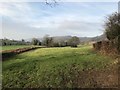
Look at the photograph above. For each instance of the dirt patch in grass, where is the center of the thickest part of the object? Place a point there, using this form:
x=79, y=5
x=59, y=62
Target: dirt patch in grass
x=98, y=78
x=85, y=78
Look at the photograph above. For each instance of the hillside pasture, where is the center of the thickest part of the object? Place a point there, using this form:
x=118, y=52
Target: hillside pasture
x=60, y=68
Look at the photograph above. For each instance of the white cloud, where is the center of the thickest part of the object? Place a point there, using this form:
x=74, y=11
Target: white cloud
x=25, y=21
x=16, y=11
x=18, y=30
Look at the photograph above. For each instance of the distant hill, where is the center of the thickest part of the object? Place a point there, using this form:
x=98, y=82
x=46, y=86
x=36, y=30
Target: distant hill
x=85, y=39
x=61, y=38
x=82, y=39
x=99, y=38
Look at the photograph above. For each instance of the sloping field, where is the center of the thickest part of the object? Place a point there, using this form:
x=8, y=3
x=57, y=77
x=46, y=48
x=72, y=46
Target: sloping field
x=60, y=67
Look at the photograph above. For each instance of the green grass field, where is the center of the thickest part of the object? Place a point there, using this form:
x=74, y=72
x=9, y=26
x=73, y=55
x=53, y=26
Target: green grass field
x=55, y=67
x=12, y=47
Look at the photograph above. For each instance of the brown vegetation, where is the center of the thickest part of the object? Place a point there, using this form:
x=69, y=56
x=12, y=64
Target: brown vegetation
x=112, y=31
x=107, y=47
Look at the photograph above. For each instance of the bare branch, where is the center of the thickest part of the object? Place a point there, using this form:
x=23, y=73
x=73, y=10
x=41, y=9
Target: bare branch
x=51, y=3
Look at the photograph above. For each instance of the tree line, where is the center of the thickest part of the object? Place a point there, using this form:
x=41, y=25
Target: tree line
x=46, y=41
x=6, y=42
x=50, y=42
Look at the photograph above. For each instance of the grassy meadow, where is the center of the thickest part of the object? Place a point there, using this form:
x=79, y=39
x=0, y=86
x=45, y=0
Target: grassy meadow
x=59, y=67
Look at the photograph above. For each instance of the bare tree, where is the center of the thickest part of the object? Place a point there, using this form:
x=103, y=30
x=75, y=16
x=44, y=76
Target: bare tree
x=47, y=41
x=35, y=41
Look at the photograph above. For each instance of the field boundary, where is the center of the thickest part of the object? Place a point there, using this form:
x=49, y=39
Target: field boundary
x=9, y=53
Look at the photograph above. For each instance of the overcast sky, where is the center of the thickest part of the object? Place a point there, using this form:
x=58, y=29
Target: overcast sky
x=36, y=19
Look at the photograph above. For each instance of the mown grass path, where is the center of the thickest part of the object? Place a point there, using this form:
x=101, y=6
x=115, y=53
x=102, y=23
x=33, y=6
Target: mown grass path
x=59, y=67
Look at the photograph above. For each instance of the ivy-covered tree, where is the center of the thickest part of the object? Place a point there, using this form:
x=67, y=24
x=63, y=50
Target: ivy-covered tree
x=112, y=26
x=112, y=29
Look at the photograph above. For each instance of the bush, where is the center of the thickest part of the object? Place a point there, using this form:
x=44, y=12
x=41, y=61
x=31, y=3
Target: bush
x=97, y=45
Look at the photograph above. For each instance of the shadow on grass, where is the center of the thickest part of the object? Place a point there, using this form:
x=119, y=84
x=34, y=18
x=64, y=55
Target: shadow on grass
x=11, y=53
